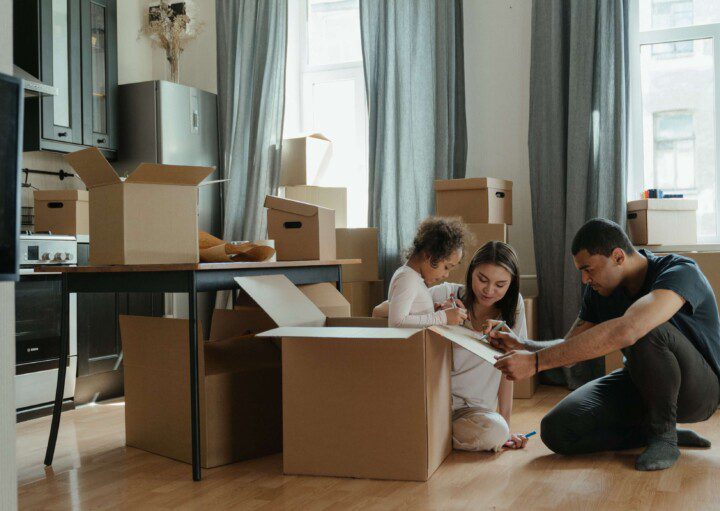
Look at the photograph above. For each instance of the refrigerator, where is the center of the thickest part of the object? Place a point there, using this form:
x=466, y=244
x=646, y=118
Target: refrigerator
x=165, y=122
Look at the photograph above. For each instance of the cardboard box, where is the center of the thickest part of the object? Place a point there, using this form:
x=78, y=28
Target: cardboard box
x=62, y=212
x=363, y=296
x=330, y=198
x=357, y=401
x=478, y=200
x=302, y=232
x=304, y=159
x=525, y=389
x=662, y=221
x=151, y=217
x=240, y=390
x=328, y=299
x=482, y=233
x=358, y=244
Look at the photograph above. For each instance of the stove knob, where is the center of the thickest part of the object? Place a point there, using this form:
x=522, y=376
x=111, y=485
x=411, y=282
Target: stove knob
x=60, y=256
x=69, y=256
x=45, y=256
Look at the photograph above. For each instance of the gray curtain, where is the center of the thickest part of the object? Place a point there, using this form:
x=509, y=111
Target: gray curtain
x=414, y=75
x=251, y=49
x=577, y=144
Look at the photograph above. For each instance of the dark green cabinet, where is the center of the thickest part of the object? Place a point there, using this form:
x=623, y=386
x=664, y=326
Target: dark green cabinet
x=72, y=45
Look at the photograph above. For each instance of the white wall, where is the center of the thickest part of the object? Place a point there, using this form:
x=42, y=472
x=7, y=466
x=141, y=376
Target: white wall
x=497, y=85
x=8, y=471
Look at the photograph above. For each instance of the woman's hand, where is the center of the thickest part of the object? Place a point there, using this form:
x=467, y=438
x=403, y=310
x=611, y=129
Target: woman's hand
x=516, y=442
x=448, y=304
x=503, y=339
x=455, y=316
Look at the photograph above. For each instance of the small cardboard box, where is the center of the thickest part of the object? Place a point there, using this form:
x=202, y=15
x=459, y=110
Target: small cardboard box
x=361, y=244
x=525, y=389
x=302, y=232
x=151, y=217
x=662, y=221
x=62, y=212
x=357, y=401
x=330, y=198
x=363, y=296
x=482, y=233
x=240, y=389
x=304, y=159
x=328, y=299
x=477, y=200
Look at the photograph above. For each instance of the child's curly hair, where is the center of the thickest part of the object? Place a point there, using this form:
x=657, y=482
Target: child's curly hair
x=438, y=238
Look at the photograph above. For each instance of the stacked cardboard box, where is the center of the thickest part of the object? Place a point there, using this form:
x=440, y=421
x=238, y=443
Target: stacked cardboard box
x=304, y=162
x=662, y=221
x=525, y=389
x=361, y=284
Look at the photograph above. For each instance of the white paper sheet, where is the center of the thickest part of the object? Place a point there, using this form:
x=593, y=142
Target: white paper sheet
x=468, y=339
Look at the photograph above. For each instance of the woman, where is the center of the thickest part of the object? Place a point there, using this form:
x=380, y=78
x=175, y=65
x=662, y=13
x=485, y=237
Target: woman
x=491, y=292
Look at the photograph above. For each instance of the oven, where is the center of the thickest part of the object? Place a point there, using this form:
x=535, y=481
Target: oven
x=38, y=318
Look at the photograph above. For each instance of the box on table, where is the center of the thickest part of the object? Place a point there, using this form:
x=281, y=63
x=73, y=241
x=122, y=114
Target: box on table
x=360, y=243
x=482, y=233
x=302, y=232
x=477, y=200
x=240, y=389
x=327, y=197
x=304, y=159
x=328, y=299
x=62, y=211
x=525, y=389
x=358, y=401
x=151, y=217
x=363, y=296
x=662, y=221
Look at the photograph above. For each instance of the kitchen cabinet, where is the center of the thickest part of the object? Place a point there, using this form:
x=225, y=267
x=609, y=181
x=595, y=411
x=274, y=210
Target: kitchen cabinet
x=72, y=45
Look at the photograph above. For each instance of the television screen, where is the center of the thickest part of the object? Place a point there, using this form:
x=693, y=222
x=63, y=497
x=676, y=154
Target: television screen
x=11, y=117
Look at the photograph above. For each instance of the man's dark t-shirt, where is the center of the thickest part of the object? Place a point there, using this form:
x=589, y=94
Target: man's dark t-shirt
x=697, y=318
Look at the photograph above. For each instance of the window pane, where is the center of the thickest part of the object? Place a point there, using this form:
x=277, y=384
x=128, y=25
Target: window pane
x=333, y=32
x=678, y=103
x=660, y=14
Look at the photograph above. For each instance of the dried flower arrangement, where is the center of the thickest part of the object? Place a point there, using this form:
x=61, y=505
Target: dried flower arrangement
x=170, y=26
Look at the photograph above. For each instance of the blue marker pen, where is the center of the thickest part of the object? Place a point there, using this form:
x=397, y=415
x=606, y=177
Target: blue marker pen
x=531, y=434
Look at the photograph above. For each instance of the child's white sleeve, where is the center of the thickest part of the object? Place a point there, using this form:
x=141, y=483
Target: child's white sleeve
x=403, y=295
x=442, y=292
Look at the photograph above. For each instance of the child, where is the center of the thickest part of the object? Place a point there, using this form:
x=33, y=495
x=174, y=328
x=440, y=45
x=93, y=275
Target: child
x=437, y=248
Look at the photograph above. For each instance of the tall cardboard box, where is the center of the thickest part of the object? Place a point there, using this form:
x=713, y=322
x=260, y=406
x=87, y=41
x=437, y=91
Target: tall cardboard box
x=62, y=211
x=662, y=221
x=327, y=197
x=240, y=390
x=304, y=159
x=477, y=200
x=302, y=232
x=328, y=299
x=482, y=233
x=151, y=217
x=363, y=296
x=525, y=389
x=359, y=243
x=358, y=401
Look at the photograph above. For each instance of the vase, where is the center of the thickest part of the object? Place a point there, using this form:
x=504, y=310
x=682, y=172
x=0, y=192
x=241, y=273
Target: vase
x=174, y=69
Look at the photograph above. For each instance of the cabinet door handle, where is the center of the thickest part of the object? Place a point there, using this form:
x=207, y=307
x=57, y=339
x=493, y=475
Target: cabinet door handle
x=101, y=140
x=62, y=134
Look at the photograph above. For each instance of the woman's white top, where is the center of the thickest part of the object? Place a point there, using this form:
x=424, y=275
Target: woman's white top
x=411, y=304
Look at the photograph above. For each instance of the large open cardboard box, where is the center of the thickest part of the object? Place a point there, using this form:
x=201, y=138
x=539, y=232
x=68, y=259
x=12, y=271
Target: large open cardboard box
x=357, y=401
x=662, y=221
x=477, y=200
x=151, y=217
x=240, y=388
x=302, y=232
x=62, y=212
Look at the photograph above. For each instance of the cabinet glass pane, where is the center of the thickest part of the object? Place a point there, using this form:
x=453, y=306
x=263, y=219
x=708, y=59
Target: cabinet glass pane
x=60, y=62
x=98, y=44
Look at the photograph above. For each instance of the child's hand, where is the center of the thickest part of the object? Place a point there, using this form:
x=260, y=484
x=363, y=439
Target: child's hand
x=448, y=304
x=455, y=316
x=516, y=442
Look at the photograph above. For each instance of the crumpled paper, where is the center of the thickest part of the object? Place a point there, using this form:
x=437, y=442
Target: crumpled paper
x=215, y=250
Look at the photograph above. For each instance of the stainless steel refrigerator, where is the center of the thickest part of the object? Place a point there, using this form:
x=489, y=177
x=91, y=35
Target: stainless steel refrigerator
x=164, y=122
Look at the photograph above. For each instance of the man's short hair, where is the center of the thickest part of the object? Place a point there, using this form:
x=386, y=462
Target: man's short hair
x=601, y=236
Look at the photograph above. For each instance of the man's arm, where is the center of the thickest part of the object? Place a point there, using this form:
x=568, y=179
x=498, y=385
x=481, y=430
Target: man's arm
x=577, y=328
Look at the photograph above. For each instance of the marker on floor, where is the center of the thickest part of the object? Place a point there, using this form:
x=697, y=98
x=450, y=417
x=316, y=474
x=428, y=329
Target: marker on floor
x=531, y=434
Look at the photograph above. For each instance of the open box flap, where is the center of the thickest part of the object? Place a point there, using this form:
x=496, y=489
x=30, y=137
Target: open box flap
x=160, y=174
x=340, y=332
x=292, y=206
x=463, y=337
x=92, y=167
x=282, y=301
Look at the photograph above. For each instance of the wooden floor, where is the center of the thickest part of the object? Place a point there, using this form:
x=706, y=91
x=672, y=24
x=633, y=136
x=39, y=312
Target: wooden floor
x=94, y=470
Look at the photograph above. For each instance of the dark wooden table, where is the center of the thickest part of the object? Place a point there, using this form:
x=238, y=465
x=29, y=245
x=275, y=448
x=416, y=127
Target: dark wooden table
x=173, y=278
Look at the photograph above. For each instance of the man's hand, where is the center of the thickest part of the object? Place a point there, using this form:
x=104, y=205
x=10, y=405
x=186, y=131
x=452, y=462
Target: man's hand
x=516, y=365
x=503, y=339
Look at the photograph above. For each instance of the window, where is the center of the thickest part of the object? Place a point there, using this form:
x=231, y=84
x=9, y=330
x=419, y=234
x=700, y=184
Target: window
x=673, y=95
x=325, y=92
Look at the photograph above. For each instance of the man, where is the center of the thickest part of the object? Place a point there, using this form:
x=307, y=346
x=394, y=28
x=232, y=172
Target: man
x=662, y=313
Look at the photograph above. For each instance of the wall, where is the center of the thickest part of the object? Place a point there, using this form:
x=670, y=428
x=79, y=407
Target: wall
x=8, y=472
x=497, y=84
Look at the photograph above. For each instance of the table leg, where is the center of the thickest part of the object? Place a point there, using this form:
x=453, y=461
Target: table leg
x=194, y=378
x=62, y=367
